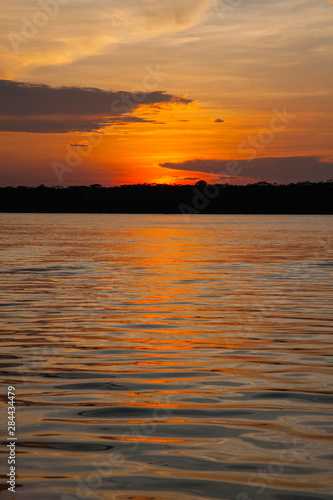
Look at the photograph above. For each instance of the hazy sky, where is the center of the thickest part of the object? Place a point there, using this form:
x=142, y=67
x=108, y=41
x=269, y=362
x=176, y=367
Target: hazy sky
x=113, y=92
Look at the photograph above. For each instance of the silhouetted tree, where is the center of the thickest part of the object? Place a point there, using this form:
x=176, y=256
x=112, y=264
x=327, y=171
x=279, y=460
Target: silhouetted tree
x=262, y=197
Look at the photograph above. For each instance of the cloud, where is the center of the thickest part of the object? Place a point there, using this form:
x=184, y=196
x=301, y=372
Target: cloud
x=80, y=145
x=37, y=34
x=48, y=126
x=173, y=15
x=37, y=108
x=218, y=120
x=26, y=99
x=136, y=119
x=285, y=169
x=132, y=119
x=64, y=125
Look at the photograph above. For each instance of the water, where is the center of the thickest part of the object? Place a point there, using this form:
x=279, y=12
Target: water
x=155, y=358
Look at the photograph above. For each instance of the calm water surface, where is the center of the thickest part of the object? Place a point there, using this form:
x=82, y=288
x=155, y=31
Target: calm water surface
x=158, y=359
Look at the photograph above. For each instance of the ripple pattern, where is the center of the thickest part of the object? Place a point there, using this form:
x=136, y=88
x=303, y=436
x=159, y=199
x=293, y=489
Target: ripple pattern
x=158, y=359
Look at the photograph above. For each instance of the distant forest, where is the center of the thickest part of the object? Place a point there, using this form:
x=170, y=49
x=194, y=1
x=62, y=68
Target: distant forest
x=202, y=198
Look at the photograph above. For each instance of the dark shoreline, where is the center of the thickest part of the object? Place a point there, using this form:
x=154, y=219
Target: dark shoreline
x=256, y=199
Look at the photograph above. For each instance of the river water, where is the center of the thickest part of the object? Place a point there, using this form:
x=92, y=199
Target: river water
x=158, y=358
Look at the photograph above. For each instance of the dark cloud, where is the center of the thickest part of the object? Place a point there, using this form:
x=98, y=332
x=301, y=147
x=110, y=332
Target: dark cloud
x=45, y=126
x=42, y=109
x=218, y=120
x=287, y=169
x=130, y=119
x=80, y=145
x=25, y=99
x=136, y=119
x=63, y=126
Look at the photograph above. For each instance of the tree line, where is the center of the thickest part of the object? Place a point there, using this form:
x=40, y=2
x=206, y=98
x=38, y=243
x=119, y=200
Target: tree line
x=259, y=198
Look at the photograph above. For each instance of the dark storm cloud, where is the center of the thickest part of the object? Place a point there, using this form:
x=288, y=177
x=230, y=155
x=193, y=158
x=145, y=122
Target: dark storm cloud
x=288, y=169
x=23, y=107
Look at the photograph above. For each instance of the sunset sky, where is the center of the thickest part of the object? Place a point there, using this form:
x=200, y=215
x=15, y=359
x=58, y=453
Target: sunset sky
x=133, y=91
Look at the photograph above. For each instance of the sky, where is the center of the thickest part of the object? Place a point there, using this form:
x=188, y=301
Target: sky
x=165, y=91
